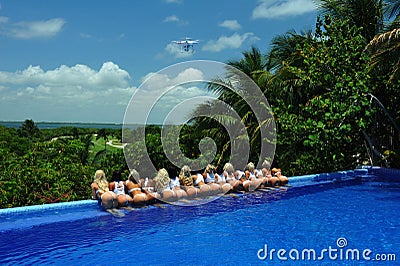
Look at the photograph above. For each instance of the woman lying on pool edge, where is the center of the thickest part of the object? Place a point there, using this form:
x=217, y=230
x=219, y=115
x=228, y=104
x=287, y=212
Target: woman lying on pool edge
x=137, y=191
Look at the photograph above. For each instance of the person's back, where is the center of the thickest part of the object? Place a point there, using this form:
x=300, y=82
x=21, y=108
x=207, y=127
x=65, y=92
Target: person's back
x=118, y=186
x=185, y=177
x=162, y=186
x=161, y=180
x=101, y=192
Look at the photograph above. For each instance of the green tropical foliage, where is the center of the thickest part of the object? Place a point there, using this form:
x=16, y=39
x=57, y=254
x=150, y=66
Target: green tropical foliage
x=37, y=171
x=334, y=80
x=333, y=91
x=318, y=98
x=367, y=15
x=319, y=85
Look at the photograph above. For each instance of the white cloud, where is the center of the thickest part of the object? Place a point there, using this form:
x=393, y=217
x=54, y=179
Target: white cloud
x=176, y=51
x=33, y=29
x=230, y=24
x=3, y=19
x=81, y=93
x=85, y=35
x=76, y=93
x=161, y=92
x=172, y=18
x=228, y=42
x=161, y=81
x=282, y=8
x=175, y=19
x=109, y=75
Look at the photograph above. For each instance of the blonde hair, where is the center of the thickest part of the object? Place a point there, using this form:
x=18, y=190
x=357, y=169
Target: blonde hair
x=210, y=168
x=162, y=180
x=185, y=169
x=163, y=173
x=266, y=164
x=250, y=166
x=185, y=177
x=228, y=167
x=100, y=179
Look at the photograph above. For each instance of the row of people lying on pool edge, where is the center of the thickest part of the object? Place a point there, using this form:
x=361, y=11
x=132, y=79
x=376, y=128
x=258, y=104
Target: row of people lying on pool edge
x=139, y=191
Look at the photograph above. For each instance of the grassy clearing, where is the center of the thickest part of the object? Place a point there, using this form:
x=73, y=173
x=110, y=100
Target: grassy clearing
x=99, y=146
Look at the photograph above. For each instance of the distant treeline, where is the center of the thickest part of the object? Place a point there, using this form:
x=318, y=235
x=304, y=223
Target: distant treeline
x=53, y=125
x=55, y=165
x=334, y=94
x=52, y=165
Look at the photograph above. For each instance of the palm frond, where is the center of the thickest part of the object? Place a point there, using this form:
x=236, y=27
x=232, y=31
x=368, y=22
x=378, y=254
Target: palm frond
x=386, y=52
x=384, y=37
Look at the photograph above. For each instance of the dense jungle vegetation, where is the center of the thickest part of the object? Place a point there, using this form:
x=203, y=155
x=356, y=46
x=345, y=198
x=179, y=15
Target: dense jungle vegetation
x=334, y=93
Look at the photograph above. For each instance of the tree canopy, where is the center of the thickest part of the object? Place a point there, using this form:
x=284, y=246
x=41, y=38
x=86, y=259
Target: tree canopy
x=333, y=92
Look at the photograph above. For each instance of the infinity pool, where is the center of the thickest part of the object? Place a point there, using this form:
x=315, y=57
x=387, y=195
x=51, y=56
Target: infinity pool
x=350, y=217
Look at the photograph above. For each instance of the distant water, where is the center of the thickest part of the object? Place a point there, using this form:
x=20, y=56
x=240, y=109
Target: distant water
x=51, y=125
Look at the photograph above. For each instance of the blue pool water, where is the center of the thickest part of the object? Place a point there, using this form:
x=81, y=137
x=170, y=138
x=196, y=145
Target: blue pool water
x=233, y=230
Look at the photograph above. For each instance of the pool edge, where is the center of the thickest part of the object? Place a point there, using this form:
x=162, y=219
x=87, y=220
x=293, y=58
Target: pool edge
x=294, y=181
x=49, y=206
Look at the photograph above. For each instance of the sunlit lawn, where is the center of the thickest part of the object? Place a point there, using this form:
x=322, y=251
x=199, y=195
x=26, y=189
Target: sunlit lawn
x=99, y=146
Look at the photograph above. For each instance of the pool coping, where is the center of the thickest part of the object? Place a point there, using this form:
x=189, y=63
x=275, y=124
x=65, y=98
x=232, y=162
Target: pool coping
x=294, y=181
x=49, y=206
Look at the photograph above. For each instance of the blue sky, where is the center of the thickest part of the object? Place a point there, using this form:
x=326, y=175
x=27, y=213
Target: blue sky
x=81, y=61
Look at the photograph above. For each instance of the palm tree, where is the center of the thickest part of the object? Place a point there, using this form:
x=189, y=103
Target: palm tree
x=282, y=84
x=102, y=133
x=284, y=49
x=213, y=118
x=386, y=52
x=212, y=121
x=87, y=142
x=385, y=47
x=385, y=60
x=251, y=64
x=379, y=23
x=393, y=12
x=365, y=14
x=28, y=129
